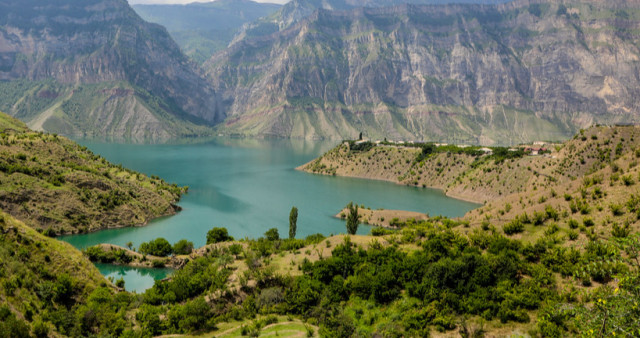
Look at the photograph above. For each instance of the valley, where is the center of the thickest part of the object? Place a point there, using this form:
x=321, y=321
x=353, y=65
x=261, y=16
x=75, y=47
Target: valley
x=322, y=168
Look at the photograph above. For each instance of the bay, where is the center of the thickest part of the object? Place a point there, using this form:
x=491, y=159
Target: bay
x=249, y=186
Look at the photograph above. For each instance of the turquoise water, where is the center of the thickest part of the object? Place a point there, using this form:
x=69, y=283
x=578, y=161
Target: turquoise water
x=249, y=186
x=135, y=279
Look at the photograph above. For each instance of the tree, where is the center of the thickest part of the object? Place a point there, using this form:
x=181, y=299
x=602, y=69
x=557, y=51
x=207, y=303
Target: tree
x=129, y=245
x=360, y=137
x=183, y=247
x=157, y=247
x=272, y=234
x=217, y=235
x=353, y=220
x=293, y=222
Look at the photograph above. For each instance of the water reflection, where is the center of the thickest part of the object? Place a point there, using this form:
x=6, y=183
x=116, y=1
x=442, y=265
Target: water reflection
x=135, y=279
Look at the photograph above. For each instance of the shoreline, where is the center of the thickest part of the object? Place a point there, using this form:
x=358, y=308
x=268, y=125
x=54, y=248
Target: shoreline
x=176, y=209
x=446, y=193
x=384, y=218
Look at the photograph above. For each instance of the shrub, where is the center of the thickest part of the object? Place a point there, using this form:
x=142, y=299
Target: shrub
x=513, y=227
x=573, y=235
x=616, y=209
x=183, y=247
x=272, y=234
x=588, y=222
x=157, y=247
x=573, y=224
x=620, y=231
x=217, y=235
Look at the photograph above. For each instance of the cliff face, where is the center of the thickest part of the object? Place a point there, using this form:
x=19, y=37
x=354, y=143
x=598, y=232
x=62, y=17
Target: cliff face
x=101, y=46
x=459, y=73
x=203, y=28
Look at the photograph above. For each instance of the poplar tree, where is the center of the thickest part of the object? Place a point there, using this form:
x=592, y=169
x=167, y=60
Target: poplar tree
x=352, y=219
x=293, y=222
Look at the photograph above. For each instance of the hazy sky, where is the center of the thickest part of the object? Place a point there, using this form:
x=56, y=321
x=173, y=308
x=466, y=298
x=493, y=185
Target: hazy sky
x=133, y=2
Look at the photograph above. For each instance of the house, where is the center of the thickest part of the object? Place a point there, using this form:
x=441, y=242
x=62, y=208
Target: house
x=486, y=151
x=534, y=150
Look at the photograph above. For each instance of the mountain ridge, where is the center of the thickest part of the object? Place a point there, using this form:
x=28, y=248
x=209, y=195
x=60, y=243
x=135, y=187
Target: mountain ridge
x=135, y=79
x=482, y=74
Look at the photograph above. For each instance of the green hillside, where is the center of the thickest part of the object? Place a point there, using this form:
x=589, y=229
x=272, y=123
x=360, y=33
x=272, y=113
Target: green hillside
x=55, y=185
x=41, y=279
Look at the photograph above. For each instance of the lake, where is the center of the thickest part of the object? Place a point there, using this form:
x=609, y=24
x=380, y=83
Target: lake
x=249, y=186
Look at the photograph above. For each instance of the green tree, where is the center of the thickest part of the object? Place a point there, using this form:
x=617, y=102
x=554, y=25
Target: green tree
x=183, y=247
x=157, y=247
x=217, y=235
x=353, y=220
x=293, y=222
x=272, y=234
x=129, y=245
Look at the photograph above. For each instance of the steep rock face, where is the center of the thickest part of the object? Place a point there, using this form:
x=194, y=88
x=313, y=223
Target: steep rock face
x=459, y=73
x=99, y=43
x=203, y=28
x=296, y=10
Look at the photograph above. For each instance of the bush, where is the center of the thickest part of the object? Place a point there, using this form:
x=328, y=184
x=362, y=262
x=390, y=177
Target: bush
x=157, y=247
x=616, y=209
x=513, y=227
x=217, y=235
x=272, y=234
x=620, y=231
x=379, y=231
x=573, y=235
x=588, y=222
x=183, y=247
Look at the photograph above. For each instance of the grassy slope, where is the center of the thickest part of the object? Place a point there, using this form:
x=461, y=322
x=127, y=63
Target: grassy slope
x=527, y=184
x=30, y=268
x=48, y=181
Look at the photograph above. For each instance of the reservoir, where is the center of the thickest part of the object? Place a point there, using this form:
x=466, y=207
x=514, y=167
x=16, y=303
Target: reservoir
x=249, y=186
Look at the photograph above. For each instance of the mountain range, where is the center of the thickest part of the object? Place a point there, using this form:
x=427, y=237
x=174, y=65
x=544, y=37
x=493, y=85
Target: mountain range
x=487, y=74
x=95, y=68
x=482, y=72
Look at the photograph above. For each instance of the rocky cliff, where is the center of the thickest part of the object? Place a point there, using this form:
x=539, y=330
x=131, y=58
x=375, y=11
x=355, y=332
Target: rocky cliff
x=203, y=28
x=95, y=67
x=488, y=74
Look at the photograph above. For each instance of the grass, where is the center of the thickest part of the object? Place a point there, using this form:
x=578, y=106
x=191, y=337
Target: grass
x=285, y=327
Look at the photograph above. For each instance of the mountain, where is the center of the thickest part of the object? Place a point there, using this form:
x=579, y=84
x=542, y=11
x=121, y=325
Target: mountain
x=486, y=74
x=96, y=68
x=296, y=10
x=55, y=185
x=203, y=28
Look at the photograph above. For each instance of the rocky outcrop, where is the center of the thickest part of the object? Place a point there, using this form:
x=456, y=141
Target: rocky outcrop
x=102, y=46
x=488, y=74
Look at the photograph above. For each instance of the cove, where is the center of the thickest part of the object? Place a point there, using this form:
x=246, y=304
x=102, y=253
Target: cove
x=135, y=279
x=249, y=186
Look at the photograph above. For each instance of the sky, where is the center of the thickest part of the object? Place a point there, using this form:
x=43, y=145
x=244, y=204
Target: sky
x=134, y=2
